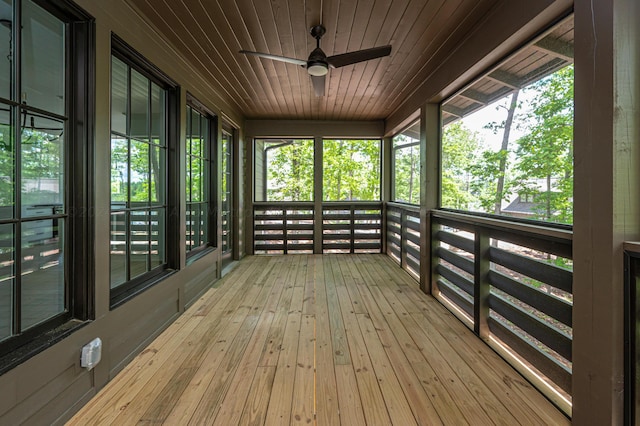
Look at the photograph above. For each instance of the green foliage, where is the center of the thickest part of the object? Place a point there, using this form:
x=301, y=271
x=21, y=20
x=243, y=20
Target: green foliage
x=545, y=153
x=460, y=147
x=406, y=163
x=351, y=170
x=290, y=171
x=486, y=173
x=540, y=166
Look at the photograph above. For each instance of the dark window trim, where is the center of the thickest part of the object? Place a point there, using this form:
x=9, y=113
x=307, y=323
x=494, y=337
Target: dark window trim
x=121, y=294
x=78, y=192
x=212, y=229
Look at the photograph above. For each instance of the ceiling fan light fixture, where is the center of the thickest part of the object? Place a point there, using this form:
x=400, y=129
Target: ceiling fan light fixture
x=317, y=69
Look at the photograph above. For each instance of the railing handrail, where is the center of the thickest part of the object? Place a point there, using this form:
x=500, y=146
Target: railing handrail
x=403, y=206
x=502, y=224
x=632, y=247
x=282, y=204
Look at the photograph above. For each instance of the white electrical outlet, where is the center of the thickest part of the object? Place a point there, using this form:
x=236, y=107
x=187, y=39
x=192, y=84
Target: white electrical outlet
x=91, y=354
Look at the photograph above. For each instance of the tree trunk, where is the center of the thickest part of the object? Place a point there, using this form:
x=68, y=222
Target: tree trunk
x=503, y=149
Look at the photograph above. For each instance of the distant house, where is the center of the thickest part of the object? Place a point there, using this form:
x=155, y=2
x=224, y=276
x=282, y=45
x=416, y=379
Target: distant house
x=523, y=207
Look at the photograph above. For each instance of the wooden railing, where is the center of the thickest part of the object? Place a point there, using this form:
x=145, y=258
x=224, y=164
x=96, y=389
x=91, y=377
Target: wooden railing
x=351, y=227
x=403, y=236
x=346, y=227
x=511, y=282
x=283, y=228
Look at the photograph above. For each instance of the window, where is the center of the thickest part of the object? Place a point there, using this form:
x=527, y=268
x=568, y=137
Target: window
x=406, y=165
x=143, y=130
x=284, y=170
x=45, y=169
x=226, y=189
x=199, y=140
x=351, y=170
x=507, y=139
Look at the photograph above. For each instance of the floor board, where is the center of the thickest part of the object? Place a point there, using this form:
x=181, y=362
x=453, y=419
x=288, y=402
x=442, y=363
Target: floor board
x=318, y=339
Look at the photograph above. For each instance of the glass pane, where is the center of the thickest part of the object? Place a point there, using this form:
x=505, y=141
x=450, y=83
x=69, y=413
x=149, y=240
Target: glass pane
x=189, y=133
x=7, y=278
x=205, y=139
x=194, y=223
x=7, y=172
x=139, y=170
x=42, y=166
x=189, y=225
x=139, y=106
x=43, y=289
x=139, y=242
x=158, y=230
x=196, y=179
x=204, y=223
x=406, y=174
x=351, y=170
x=6, y=48
x=158, y=174
x=158, y=127
x=195, y=133
x=119, y=84
x=43, y=59
x=284, y=170
x=119, y=172
x=118, y=248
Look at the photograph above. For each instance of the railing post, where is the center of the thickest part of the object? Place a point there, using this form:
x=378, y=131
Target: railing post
x=403, y=239
x=317, y=195
x=352, y=228
x=481, y=291
x=284, y=229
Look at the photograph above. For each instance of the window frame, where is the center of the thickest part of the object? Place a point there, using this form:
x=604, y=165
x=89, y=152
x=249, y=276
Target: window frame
x=135, y=61
x=78, y=169
x=210, y=176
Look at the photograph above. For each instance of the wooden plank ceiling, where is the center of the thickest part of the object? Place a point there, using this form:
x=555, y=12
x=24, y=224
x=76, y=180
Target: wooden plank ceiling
x=211, y=32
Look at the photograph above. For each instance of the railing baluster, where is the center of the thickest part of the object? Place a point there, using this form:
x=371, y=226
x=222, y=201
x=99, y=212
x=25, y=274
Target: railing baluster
x=403, y=239
x=482, y=289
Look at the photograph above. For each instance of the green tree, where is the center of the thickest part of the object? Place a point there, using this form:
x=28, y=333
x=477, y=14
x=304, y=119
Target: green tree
x=351, y=170
x=406, y=170
x=460, y=147
x=290, y=171
x=545, y=154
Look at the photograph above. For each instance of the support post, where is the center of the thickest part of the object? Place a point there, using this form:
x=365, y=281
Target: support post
x=481, y=287
x=429, y=189
x=317, y=195
x=606, y=199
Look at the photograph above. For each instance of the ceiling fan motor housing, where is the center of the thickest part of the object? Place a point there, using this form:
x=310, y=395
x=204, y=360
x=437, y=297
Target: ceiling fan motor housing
x=317, y=63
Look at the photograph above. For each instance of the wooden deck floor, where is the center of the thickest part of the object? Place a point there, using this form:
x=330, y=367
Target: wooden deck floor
x=326, y=340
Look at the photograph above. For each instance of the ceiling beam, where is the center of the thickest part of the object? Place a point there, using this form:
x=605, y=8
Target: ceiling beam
x=475, y=96
x=506, y=78
x=556, y=47
x=453, y=110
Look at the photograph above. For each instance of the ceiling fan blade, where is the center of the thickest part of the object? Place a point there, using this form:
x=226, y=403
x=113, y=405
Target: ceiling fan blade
x=318, y=84
x=275, y=57
x=337, y=61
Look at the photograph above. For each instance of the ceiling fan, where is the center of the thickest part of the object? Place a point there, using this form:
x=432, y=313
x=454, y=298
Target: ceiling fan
x=318, y=63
